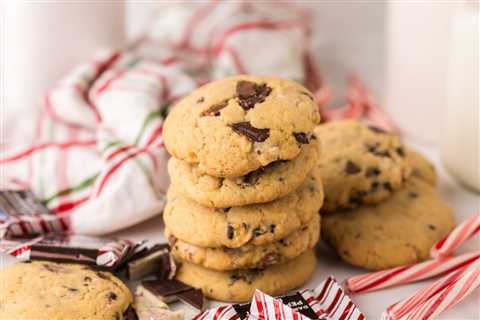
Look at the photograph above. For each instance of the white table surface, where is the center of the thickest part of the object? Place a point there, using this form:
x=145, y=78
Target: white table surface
x=372, y=304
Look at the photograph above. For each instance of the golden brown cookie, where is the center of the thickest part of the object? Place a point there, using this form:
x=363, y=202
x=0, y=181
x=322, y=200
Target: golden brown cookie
x=236, y=125
x=401, y=230
x=240, y=285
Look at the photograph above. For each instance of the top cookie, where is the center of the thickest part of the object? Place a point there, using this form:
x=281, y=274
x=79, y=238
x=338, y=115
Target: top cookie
x=239, y=124
x=359, y=164
x=48, y=290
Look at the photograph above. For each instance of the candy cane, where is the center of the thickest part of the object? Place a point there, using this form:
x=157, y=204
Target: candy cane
x=399, y=309
x=410, y=273
x=458, y=236
x=446, y=297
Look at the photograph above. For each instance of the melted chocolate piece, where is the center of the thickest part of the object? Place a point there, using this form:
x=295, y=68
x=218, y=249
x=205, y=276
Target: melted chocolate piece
x=111, y=296
x=401, y=152
x=250, y=93
x=230, y=232
x=301, y=137
x=372, y=172
x=214, y=110
x=352, y=168
x=252, y=133
x=192, y=297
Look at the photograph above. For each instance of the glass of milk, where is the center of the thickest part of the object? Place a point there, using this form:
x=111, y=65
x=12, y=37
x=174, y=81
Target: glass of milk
x=460, y=134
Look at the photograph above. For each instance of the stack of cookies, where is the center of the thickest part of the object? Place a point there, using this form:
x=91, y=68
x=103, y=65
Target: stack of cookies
x=381, y=208
x=242, y=209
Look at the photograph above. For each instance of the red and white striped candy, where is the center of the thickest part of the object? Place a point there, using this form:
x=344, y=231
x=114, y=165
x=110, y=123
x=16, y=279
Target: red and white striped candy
x=401, y=308
x=457, y=237
x=407, y=274
x=265, y=307
x=446, y=296
x=329, y=300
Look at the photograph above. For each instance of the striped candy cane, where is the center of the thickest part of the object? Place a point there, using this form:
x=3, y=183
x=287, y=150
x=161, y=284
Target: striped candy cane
x=265, y=307
x=329, y=300
x=445, y=297
x=407, y=274
x=399, y=309
x=457, y=237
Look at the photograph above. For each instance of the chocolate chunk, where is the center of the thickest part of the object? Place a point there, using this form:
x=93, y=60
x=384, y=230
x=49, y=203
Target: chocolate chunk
x=130, y=314
x=375, y=186
x=387, y=186
x=269, y=259
x=272, y=228
x=192, y=297
x=111, y=296
x=352, y=168
x=200, y=100
x=377, y=129
x=372, y=172
x=248, y=275
x=165, y=288
x=357, y=197
x=54, y=268
x=412, y=194
x=102, y=275
x=230, y=232
x=214, y=110
x=301, y=137
x=373, y=148
x=245, y=226
x=432, y=227
x=154, y=260
x=250, y=93
x=401, y=152
x=226, y=209
x=252, y=133
x=252, y=177
x=258, y=231
x=87, y=279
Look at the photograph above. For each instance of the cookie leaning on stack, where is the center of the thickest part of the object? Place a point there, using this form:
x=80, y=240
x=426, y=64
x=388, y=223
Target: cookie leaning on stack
x=242, y=209
x=394, y=213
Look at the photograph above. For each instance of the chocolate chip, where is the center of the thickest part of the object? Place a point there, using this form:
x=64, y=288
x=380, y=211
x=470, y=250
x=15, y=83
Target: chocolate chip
x=214, y=110
x=352, y=168
x=258, y=231
x=111, y=296
x=357, y=197
x=248, y=276
x=283, y=242
x=301, y=137
x=250, y=93
x=375, y=186
x=269, y=259
x=71, y=289
x=387, y=186
x=193, y=297
x=230, y=232
x=252, y=177
x=373, y=148
x=87, y=279
x=245, y=226
x=226, y=209
x=400, y=151
x=200, y=100
x=252, y=133
x=377, y=129
x=272, y=228
x=412, y=194
x=432, y=227
x=372, y=172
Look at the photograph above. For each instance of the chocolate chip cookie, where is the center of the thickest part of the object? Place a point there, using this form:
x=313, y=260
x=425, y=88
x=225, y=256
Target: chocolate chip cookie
x=47, y=290
x=359, y=164
x=240, y=285
x=237, y=226
x=236, y=125
x=398, y=231
x=265, y=184
x=249, y=256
